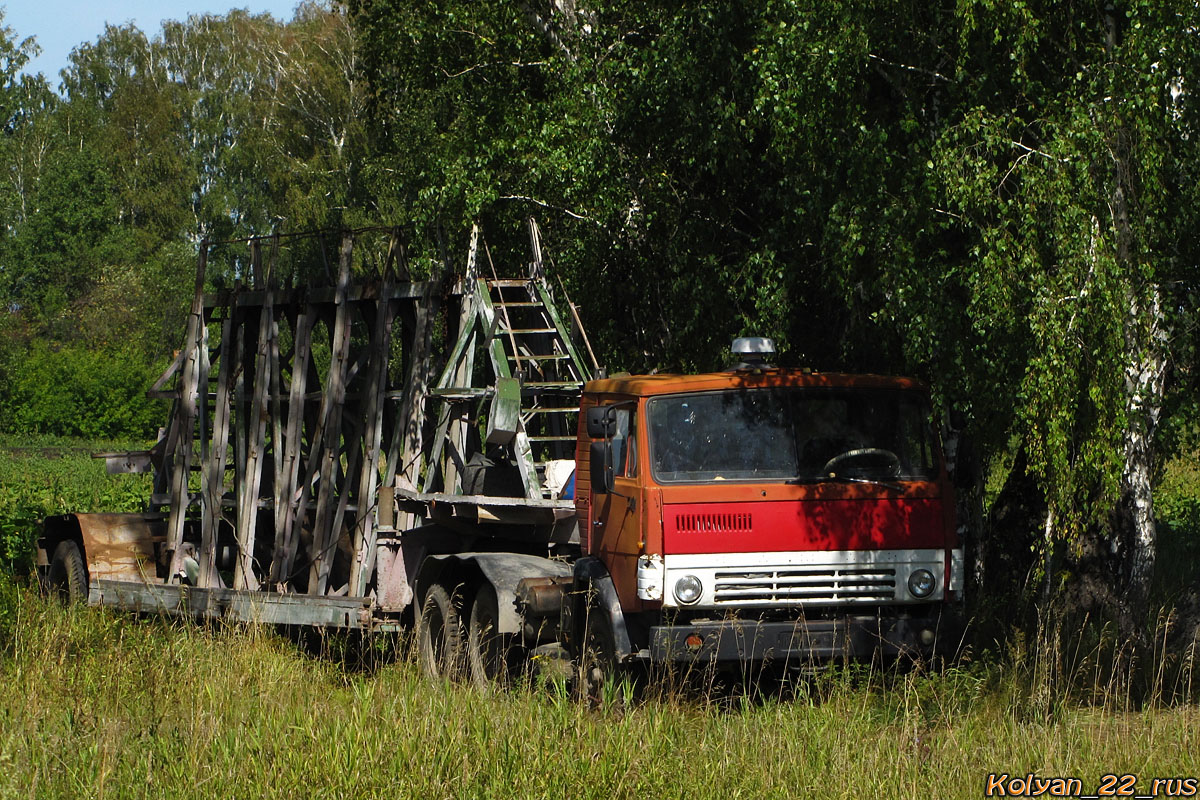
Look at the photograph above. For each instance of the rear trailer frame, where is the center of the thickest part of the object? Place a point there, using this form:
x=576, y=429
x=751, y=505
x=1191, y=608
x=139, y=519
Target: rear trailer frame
x=294, y=488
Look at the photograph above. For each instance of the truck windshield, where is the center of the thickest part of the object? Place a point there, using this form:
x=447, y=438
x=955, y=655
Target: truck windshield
x=791, y=434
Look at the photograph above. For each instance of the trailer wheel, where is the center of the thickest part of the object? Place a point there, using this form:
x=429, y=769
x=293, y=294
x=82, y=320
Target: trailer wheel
x=68, y=574
x=489, y=653
x=439, y=634
x=599, y=674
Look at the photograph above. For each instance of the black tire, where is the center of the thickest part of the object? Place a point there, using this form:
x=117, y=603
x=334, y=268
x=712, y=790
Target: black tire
x=68, y=577
x=491, y=656
x=439, y=634
x=598, y=674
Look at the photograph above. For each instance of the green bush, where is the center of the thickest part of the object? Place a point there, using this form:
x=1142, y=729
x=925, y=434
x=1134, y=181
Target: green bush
x=1177, y=511
x=72, y=390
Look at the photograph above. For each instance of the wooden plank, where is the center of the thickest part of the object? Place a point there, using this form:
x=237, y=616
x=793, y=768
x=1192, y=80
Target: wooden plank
x=275, y=389
x=202, y=416
x=439, y=441
x=186, y=413
x=464, y=347
x=277, y=444
x=213, y=478
x=367, y=291
x=458, y=432
x=247, y=525
x=368, y=482
x=313, y=420
x=354, y=468
x=176, y=363
x=240, y=419
x=488, y=320
x=287, y=524
x=324, y=538
x=508, y=327
x=404, y=459
x=465, y=367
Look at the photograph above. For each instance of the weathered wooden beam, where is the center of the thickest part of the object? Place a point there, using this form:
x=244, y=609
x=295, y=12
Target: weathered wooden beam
x=313, y=422
x=240, y=417
x=202, y=427
x=247, y=525
x=186, y=412
x=287, y=516
x=465, y=368
x=213, y=477
x=324, y=538
x=366, y=292
x=404, y=458
x=368, y=480
x=277, y=443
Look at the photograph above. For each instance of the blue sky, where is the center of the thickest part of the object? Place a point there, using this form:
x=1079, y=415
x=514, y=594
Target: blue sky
x=61, y=25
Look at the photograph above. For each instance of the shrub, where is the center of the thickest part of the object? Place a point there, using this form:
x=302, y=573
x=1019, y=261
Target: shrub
x=71, y=390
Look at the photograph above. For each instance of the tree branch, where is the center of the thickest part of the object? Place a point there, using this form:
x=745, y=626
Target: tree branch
x=544, y=204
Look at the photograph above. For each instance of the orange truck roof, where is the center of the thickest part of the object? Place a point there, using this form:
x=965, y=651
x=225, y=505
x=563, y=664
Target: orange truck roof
x=645, y=385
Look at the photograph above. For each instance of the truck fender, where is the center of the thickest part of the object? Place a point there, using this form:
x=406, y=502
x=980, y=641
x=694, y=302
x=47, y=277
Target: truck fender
x=114, y=546
x=592, y=582
x=502, y=570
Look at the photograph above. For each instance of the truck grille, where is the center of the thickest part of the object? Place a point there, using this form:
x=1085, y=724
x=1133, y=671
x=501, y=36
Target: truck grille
x=816, y=585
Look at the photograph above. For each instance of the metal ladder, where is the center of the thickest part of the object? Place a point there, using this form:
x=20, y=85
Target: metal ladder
x=530, y=352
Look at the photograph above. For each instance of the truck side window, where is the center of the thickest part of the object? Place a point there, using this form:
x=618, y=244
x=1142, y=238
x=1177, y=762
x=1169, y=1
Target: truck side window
x=624, y=444
x=631, y=460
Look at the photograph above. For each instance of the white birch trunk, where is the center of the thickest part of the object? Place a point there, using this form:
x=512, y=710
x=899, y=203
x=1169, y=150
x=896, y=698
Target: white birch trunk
x=1145, y=371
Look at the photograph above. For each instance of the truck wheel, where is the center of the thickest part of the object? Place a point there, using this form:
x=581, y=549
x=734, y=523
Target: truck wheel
x=439, y=634
x=599, y=672
x=68, y=574
x=489, y=653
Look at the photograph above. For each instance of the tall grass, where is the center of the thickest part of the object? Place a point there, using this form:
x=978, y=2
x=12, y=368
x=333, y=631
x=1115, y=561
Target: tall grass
x=102, y=704
x=96, y=704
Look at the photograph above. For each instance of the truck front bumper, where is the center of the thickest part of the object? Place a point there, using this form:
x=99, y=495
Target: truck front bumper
x=801, y=642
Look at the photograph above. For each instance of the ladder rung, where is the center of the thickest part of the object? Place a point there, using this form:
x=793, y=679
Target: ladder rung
x=551, y=438
x=521, y=304
x=509, y=283
x=526, y=330
x=555, y=357
x=551, y=385
x=565, y=410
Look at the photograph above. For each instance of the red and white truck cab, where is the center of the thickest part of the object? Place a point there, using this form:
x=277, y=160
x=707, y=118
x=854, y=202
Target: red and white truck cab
x=766, y=514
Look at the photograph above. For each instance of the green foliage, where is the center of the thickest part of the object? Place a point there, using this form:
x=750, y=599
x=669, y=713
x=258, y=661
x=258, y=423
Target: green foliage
x=220, y=126
x=993, y=197
x=74, y=390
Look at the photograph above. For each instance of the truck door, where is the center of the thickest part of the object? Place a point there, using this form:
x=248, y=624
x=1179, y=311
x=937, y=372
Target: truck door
x=618, y=534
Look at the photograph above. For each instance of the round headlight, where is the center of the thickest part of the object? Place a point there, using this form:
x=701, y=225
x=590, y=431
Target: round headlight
x=921, y=583
x=688, y=589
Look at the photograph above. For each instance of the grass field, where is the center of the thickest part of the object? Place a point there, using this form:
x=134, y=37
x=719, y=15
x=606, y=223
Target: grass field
x=99, y=704
x=95, y=704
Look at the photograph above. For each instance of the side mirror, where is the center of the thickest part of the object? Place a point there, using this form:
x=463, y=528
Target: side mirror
x=601, y=462
x=601, y=422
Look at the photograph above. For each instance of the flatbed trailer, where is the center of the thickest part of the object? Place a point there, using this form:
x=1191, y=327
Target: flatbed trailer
x=280, y=481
